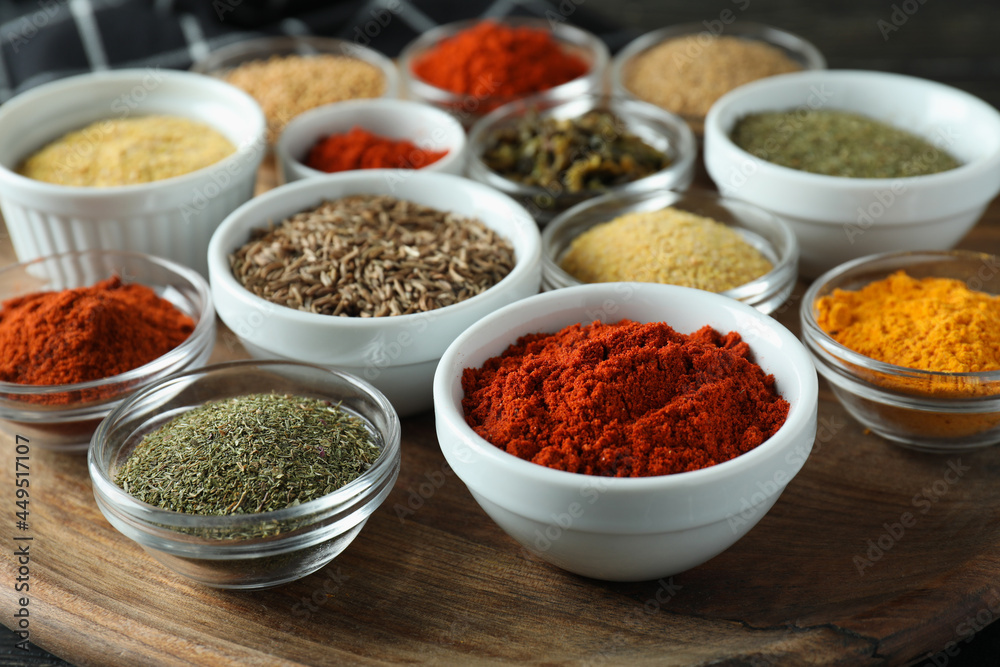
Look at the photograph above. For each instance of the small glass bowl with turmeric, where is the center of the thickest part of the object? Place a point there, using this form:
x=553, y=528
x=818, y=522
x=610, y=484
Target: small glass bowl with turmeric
x=910, y=344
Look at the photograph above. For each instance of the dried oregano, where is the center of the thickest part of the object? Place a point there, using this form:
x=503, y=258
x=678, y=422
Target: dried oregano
x=249, y=454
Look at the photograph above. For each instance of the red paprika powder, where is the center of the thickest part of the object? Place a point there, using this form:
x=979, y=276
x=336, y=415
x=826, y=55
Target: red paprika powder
x=361, y=149
x=88, y=333
x=491, y=59
x=624, y=399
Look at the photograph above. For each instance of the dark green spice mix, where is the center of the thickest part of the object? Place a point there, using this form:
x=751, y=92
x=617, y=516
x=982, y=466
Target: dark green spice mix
x=591, y=152
x=838, y=143
x=249, y=454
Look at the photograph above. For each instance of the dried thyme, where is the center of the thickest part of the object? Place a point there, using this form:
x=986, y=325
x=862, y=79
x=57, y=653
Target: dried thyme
x=838, y=143
x=590, y=153
x=249, y=454
x=372, y=256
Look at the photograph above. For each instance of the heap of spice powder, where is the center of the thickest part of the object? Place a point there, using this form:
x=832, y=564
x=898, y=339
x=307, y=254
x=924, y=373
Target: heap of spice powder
x=249, y=454
x=127, y=151
x=838, y=143
x=624, y=399
x=372, y=256
x=361, y=149
x=670, y=246
x=87, y=333
x=591, y=152
x=930, y=324
x=495, y=60
x=285, y=86
x=686, y=75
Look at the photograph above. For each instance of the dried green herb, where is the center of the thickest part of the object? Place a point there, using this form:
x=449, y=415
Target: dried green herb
x=838, y=143
x=590, y=152
x=248, y=454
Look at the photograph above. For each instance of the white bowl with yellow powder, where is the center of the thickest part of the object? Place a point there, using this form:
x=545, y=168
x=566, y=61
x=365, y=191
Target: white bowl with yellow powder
x=692, y=239
x=913, y=356
x=143, y=196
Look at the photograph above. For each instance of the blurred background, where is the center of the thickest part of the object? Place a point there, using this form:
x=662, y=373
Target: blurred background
x=952, y=42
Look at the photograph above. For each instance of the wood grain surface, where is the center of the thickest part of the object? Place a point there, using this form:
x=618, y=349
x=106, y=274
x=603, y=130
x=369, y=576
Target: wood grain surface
x=432, y=579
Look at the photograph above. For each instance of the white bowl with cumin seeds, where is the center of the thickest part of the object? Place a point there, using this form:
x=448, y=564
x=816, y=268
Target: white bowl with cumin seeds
x=397, y=354
x=288, y=90
x=427, y=127
x=172, y=218
x=837, y=219
x=771, y=237
x=690, y=93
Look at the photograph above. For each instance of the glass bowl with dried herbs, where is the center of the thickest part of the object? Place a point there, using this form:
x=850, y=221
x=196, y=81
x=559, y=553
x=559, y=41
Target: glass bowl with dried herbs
x=80, y=331
x=857, y=162
x=551, y=154
x=695, y=238
x=246, y=474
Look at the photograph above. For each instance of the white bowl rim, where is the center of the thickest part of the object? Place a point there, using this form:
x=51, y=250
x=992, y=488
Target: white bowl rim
x=454, y=128
x=798, y=418
x=812, y=330
x=206, y=320
x=223, y=274
x=714, y=130
x=242, y=153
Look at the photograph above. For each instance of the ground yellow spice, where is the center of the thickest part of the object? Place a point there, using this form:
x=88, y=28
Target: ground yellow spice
x=127, y=151
x=686, y=75
x=666, y=246
x=930, y=324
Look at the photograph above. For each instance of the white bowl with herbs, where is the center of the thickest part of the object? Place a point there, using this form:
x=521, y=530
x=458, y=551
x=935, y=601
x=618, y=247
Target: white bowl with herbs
x=374, y=272
x=246, y=474
x=857, y=162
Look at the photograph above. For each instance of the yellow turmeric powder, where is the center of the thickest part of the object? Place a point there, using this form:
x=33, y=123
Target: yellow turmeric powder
x=930, y=324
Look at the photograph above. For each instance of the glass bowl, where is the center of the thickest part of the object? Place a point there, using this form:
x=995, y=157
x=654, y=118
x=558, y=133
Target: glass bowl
x=923, y=410
x=63, y=417
x=765, y=232
x=219, y=62
x=658, y=128
x=793, y=46
x=222, y=551
x=469, y=108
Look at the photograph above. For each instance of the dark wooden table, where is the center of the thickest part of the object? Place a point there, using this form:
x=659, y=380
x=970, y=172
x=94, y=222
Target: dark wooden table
x=443, y=584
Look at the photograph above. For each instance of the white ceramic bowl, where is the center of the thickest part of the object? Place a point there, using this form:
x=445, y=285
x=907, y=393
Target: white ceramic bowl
x=63, y=417
x=429, y=128
x=172, y=218
x=301, y=539
x=838, y=219
x=627, y=529
x=469, y=108
x=662, y=130
x=396, y=354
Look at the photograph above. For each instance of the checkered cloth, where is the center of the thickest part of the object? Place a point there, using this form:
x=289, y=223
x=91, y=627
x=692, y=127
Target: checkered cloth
x=42, y=40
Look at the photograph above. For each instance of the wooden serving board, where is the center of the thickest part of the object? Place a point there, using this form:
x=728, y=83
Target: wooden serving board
x=873, y=554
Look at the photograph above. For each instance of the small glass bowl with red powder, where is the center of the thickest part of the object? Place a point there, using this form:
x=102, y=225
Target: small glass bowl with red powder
x=471, y=67
x=630, y=405
x=107, y=325
x=382, y=133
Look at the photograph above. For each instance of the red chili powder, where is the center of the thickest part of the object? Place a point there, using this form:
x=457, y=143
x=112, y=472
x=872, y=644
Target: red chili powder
x=361, y=149
x=624, y=399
